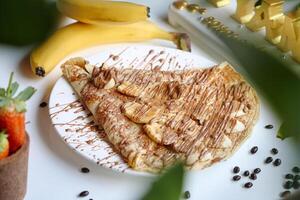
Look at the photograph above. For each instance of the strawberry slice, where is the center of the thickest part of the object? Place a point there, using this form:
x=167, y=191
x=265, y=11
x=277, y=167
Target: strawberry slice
x=12, y=109
x=4, y=145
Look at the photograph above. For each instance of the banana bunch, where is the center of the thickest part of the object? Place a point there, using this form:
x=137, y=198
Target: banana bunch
x=100, y=22
x=93, y=11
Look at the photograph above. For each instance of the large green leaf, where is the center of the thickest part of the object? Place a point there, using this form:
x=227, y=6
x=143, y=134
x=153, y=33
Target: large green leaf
x=168, y=186
x=14, y=88
x=273, y=78
x=26, y=94
x=4, y=102
x=283, y=133
x=2, y=92
x=26, y=22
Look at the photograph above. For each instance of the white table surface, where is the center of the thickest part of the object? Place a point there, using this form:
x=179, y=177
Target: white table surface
x=54, y=168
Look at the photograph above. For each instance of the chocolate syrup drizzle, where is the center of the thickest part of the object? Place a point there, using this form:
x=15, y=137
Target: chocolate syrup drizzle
x=82, y=133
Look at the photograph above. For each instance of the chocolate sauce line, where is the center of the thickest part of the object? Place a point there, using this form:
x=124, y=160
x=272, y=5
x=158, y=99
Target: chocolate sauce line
x=145, y=58
x=60, y=105
x=111, y=56
x=131, y=64
x=217, y=125
x=72, y=105
x=151, y=61
x=164, y=60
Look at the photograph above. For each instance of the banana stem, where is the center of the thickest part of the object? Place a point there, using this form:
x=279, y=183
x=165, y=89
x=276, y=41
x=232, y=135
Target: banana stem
x=182, y=41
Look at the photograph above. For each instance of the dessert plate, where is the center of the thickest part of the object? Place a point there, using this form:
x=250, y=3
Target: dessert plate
x=74, y=123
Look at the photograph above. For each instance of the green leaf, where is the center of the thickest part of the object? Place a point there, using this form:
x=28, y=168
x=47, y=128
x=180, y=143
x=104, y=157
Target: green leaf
x=283, y=132
x=273, y=78
x=8, y=89
x=25, y=22
x=2, y=92
x=14, y=88
x=20, y=106
x=26, y=94
x=168, y=186
x=4, y=102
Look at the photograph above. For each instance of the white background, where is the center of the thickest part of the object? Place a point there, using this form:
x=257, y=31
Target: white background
x=54, y=168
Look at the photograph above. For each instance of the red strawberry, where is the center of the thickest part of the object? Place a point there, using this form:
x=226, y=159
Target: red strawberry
x=12, y=110
x=4, y=146
x=13, y=123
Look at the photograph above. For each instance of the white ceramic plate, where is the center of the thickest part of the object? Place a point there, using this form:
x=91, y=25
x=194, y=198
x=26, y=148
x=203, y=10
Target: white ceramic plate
x=75, y=124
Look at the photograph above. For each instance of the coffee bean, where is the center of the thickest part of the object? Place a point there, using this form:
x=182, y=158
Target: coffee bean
x=269, y=126
x=268, y=160
x=296, y=185
x=84, y=193
x=187, y=194
x=285, y=194
x=277, y=162
x=236, y=169
x=43, y=104
x=236, y=178
x=85, y=170
x=257, y=170
x=248, y=185
x=289, y=176
x=274, y=151
x=296, y=170
x=253, y=176
x=288, y=185
x=254, y=149
x=246, y=173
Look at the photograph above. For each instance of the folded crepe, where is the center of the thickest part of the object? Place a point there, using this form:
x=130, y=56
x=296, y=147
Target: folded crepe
x=153, y=117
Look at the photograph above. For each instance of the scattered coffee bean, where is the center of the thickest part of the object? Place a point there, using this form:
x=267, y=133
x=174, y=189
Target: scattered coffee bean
x=248, y=185
x=253, y=176
x=288, y=185
x=43, y=104
x=236, y=169
x=296, y=170
x=285, y=194
x=289, y=176
x=257, y=170
x=236, y=178
x=297, y=177
x=187, y=194
x=269, y=126
x=85, y=170
x=277, y=162
x=254, y=149
x=84, y=193
x=274, y=151
x=268, y=160
x=246, y=173
x=296, y=185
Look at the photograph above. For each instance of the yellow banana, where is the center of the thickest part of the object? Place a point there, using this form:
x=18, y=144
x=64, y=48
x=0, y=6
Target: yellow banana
x=78, y=35
x=93, y=11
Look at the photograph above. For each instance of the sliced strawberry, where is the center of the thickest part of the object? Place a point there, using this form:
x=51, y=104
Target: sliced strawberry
x=4, y=146
x=13, y=123
x=12, y=108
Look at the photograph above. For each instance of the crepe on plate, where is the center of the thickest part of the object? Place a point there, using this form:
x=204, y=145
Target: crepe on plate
x=153, y=117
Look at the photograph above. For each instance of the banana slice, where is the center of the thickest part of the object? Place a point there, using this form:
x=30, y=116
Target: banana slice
x=110, y=84
x=129, y=89
x=79, y=61
x=140, y=113
x=160, y=134
x=153, y=131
